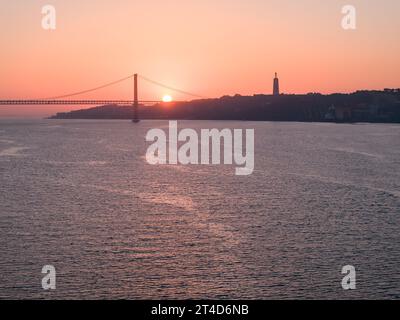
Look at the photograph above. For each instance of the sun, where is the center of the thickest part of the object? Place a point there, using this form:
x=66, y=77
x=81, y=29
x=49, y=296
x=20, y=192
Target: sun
x=167, y=98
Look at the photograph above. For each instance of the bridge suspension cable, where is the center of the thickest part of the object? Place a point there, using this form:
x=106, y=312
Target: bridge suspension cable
x=122, y=80
x=171, y=88
x=91, y=90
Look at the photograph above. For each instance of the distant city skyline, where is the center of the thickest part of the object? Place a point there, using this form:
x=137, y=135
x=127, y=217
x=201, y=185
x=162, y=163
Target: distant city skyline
x=214, y=49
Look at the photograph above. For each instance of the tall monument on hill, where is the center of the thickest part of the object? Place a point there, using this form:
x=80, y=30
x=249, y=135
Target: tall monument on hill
x=276, y=85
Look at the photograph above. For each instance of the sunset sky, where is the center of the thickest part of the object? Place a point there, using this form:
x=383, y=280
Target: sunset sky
x=210, y=47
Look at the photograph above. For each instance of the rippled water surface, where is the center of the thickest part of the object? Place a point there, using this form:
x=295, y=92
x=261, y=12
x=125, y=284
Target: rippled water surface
x=80, y=195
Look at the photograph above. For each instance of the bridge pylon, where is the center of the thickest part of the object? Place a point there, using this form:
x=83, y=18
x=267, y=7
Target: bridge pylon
x=135, y=100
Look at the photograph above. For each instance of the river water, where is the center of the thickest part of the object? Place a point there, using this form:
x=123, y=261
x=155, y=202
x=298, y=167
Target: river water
x=79, y=195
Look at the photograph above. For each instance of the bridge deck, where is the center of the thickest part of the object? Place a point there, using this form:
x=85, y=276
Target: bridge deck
x=73, y=102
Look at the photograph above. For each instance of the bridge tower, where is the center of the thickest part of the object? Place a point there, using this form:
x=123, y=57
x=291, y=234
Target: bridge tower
x=135, y=100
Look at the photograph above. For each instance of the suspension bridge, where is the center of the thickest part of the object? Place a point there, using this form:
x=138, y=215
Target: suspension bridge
x=64, y=99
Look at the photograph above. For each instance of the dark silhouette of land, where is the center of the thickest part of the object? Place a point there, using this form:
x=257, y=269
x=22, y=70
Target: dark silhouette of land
x=361, y=106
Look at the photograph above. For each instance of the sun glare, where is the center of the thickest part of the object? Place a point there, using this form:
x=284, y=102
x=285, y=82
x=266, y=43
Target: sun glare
x=167, y=98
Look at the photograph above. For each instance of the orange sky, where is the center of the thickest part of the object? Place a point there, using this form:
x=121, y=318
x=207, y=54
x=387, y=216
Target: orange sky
x=208, y=47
